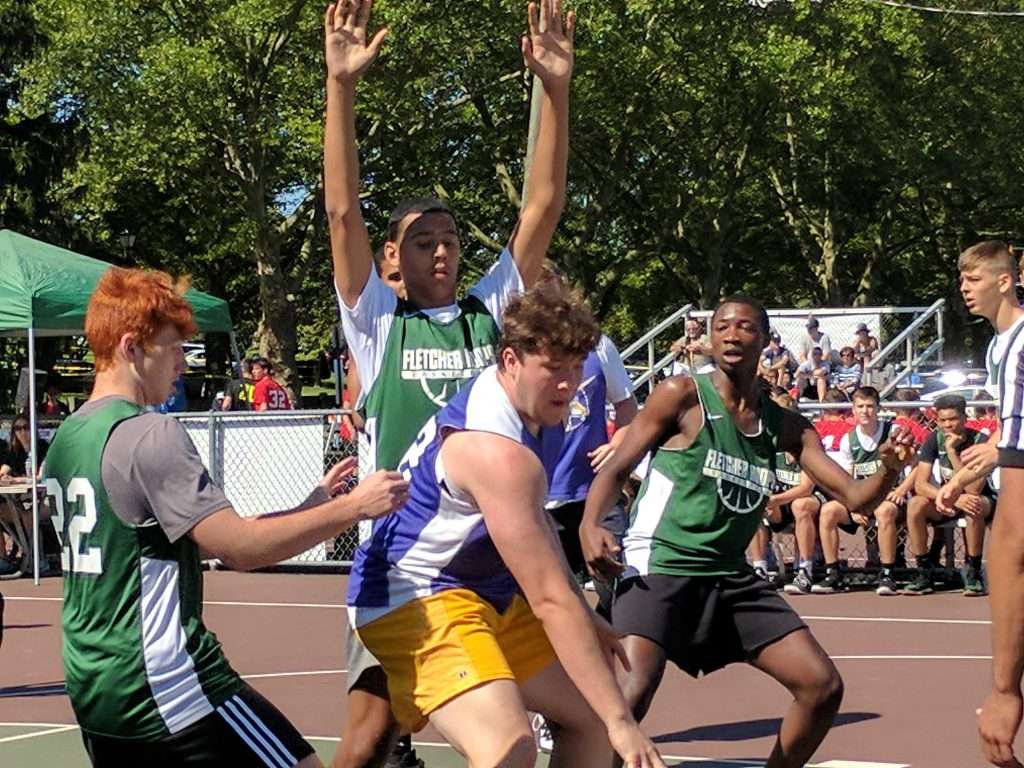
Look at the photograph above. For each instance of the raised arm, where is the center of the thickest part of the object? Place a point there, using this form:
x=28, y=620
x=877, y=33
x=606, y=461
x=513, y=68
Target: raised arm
x=512, y=503
x=549, y=55
x=348, y=54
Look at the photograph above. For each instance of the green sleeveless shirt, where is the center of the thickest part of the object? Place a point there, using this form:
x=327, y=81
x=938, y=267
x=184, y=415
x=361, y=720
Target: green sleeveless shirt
x=867, y=463
x=787, y=472
x=138, y=661
x=699, y=506
x=424, y=364
x=971, y=437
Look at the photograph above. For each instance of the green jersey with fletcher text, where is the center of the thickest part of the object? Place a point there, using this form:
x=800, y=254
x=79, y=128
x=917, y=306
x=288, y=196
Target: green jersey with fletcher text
x=138, y=661
x=867, y=461
x=699, y=506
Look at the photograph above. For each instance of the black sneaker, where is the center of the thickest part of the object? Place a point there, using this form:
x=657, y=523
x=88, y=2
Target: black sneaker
x=922, y=583
x=886, y=585
x=834, y=581
x=801, y=585
x=403, y=756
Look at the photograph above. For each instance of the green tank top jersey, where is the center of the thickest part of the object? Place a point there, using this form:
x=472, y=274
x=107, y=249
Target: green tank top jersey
x=787, y=471
x=865, y=462
x=699, y=506
x=945, y=465
x=424, y=364
x=138, y=661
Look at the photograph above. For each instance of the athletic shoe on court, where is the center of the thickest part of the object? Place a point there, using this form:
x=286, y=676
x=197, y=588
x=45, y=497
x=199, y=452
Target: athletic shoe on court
x=974, y=585
x=403, y=756
x=545, y=742
x=921, y=585
x=834, y=581
x=761, y=573
x=886, y=585
x=801, y=585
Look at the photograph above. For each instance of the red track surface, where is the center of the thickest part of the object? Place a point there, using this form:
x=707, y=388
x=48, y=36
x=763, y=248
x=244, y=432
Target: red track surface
x=918, y=711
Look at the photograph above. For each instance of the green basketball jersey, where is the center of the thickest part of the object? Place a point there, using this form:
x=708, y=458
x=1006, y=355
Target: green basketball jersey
x=945, y=466
x=867, y=462
x=138, y=662
x=425, y=362
x=699, y=506
x=787, y=470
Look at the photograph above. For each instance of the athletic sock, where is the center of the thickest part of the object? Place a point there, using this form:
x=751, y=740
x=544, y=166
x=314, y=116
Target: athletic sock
x=974, y=561
x=807, y=565
x=888, y=568
x=761, y=565
x=925, y=561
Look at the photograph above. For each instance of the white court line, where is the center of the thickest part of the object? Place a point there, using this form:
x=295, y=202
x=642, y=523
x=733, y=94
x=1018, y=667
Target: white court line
x=62, y=727
x=897, y=620
x=312, y=672
x=57, y=729
x=213, y=602
x=912, y=658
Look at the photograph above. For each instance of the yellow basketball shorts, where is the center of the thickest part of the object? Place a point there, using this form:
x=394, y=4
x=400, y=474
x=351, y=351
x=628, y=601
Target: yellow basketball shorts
x=438, y=647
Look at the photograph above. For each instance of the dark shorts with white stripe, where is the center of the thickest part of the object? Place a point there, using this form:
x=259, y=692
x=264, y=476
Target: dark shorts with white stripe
x=246, y=731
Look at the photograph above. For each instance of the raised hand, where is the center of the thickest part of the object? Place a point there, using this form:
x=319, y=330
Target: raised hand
x=346, y=48
x=549, y=54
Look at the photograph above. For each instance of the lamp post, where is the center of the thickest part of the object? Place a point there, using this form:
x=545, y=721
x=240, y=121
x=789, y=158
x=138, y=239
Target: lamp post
x=127, y=240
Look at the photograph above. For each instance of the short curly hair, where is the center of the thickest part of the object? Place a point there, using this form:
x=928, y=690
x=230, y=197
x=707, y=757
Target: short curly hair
x=551, y=318
x=138, y=301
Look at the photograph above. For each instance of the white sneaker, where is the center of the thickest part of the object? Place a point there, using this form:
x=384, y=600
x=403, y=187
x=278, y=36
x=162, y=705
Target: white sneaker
x=545, y=743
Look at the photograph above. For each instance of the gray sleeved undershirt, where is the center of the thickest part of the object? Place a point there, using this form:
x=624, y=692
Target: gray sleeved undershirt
x=153, y=473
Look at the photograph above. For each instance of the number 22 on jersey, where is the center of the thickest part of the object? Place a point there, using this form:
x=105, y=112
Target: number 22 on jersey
x=76, y=517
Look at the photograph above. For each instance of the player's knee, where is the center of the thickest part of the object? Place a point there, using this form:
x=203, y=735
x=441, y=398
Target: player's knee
x=514, y=750
x=638, y=691
x=886, y=516
x=832, y=515
x=823, y=689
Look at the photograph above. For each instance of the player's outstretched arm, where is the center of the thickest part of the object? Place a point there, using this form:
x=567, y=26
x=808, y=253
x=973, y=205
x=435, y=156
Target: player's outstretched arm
x=1000, y=715
x=246, y=543
x=549, y=55
x=512, y=502
x=349, y=53
x=660, y=417
x=801, y=439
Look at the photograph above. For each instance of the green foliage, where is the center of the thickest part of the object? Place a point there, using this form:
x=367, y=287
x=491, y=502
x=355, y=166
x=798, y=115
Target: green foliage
x=810, y=152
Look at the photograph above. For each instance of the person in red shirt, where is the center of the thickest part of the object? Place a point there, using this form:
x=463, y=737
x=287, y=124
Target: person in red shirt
x=911, y=418
x=267, y=394
x=833, y=423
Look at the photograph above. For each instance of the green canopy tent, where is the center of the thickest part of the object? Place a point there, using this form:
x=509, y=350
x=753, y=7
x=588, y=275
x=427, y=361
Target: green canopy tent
x=44, y=291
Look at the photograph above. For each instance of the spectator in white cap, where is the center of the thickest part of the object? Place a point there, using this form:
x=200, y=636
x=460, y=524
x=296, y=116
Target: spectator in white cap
x=865, y=346
x=815, y=338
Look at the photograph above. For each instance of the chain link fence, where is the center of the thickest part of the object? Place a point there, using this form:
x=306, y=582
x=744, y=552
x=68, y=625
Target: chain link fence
x=273, y=460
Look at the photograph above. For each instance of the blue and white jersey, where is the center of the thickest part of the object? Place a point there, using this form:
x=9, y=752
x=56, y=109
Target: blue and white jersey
x=438, y=540
x=604, y=381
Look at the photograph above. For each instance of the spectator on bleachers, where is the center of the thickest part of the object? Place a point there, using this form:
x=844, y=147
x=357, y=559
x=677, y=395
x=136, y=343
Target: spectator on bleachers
x=911, y=418
x=794, y=506
x=815, y=337
x=939, y=459
x=865, y=346
x=833, y=424
x=860, y=456
x=777, y=363
x=847, y=374
x=986, y=418
x=692, y=350
x=813, y=375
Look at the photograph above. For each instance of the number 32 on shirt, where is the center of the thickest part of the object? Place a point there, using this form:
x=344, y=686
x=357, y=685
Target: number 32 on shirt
x=80, y=502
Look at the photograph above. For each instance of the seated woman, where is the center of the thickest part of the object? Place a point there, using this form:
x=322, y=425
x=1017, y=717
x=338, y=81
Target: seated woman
x=14, y=464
